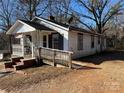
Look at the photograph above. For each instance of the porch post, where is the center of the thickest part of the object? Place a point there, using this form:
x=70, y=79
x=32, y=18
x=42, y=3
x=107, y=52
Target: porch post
x=22, y=43
x=66, y=42
x=32, y=47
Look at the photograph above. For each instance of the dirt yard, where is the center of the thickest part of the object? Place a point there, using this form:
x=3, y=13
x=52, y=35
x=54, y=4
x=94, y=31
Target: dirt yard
x=102, y=73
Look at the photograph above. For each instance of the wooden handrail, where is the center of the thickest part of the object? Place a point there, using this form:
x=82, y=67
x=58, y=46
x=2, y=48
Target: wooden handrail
x=57, y=50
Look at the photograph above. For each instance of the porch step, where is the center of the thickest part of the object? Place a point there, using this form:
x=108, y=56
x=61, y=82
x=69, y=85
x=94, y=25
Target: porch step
x=16, y=59
x=20, y=63
x=18, y=67
x=28, y=62
x=8, y=65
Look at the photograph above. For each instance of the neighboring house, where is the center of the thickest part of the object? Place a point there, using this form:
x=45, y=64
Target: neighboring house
x=41, y=32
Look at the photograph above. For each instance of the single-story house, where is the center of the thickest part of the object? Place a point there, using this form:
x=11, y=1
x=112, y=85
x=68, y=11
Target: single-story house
x=46, y=33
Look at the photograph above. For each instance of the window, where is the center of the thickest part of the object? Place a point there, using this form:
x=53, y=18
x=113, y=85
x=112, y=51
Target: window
x=44, y=41
x=56, y=41
x=29, y=38
x=98, y=39
x=16, y=41
x=80, y=41
x=92, y=41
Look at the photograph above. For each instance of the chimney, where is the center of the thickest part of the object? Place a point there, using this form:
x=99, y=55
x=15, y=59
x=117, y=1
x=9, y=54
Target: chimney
x=52, y=18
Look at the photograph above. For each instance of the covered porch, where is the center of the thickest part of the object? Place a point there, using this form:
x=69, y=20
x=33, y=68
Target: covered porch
x=30, y=41
x=32, y=35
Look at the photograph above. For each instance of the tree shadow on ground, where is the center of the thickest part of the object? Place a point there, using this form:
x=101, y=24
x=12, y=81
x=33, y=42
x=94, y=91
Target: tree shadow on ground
x=79, y=67
x=97, y=59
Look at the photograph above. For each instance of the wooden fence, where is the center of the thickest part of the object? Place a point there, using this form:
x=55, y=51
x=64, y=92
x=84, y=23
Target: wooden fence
x=55, y=56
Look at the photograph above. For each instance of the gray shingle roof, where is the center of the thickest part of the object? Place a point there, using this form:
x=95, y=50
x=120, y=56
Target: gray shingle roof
x=37, y=26
x=42, y=27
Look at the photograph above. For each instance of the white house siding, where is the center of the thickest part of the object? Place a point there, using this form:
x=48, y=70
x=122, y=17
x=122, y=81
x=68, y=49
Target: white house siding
x=37, y=40
x=87, y=50
x=60, y=29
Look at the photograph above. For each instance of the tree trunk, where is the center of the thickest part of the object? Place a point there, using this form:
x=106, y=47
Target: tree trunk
x=10, y=44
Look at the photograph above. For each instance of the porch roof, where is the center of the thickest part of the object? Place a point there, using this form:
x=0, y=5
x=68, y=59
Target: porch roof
x=37, y=26
x=22, y=26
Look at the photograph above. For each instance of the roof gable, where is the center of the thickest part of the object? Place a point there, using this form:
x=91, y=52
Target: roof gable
x=20, y=27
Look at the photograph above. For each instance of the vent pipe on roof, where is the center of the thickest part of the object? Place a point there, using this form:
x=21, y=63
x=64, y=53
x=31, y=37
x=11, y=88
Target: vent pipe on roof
x=70, y=20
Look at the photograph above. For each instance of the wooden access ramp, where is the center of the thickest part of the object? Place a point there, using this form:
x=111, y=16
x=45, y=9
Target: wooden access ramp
x=54, y=57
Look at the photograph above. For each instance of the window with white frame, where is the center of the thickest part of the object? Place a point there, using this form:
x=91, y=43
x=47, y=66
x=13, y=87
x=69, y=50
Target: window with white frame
x=80, y=41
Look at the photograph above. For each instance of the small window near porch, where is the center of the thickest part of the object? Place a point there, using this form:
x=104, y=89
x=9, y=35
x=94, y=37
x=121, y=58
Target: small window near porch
x=29, y=37
x=44, y=41
x=80, y=41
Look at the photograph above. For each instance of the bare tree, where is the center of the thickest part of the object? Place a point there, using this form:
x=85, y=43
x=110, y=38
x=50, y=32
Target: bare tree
x=59, y=9
x=7, y=9
x=27, y=9
x=100, y=12
x=115, y=32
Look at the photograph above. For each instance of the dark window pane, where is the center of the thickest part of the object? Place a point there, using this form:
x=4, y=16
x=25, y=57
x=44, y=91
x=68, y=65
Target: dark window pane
x=44, y=41
x=98, y=39
x=56, y=41
x=92, y=41
x=80, y=41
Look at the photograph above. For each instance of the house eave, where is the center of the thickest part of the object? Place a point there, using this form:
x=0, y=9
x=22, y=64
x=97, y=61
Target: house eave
x=51, y=23
x=84, y=32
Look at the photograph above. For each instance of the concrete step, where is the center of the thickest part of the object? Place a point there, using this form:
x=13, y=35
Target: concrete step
x=16, y=59
x=28, y=62
x=8, y=65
